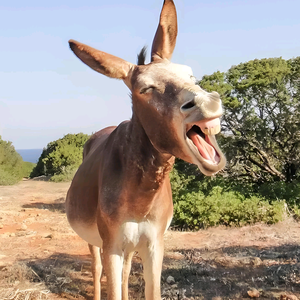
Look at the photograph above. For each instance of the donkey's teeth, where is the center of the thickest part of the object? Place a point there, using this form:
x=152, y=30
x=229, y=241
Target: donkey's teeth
x=210, y=127
x=211, y=131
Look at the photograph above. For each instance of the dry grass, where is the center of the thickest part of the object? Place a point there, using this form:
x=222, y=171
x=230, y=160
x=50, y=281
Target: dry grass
x=28, y=294
x=16, y=284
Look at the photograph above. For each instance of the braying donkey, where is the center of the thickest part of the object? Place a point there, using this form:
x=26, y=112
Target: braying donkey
x=120, y=199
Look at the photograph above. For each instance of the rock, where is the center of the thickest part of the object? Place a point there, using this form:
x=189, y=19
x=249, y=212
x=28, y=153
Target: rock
x=21, y=233
x=257, y=261
x=31, y=233
x=254, y=293
x=177, y=255
x=170, y=280
x=1, y=226
x=12, y=234
x=23, y=227
x=49, y=236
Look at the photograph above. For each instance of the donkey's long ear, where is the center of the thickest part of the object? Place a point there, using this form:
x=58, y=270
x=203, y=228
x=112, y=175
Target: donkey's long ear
x=101, y=62
x=166, y=33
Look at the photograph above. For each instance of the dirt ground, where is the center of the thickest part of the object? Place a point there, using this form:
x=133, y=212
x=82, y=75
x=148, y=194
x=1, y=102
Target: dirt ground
x=42, y=258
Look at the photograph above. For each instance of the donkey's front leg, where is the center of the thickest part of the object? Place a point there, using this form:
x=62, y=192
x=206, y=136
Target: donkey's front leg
x=126, y=273
x=113, y=263
x=152, y=256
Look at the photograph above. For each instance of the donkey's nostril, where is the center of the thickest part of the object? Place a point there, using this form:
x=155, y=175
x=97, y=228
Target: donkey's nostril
x=188, y=105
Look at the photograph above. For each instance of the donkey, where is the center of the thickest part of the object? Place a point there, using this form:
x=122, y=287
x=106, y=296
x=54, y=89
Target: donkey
x=120, y=199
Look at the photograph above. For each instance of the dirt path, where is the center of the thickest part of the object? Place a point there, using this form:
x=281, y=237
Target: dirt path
x=41, y=257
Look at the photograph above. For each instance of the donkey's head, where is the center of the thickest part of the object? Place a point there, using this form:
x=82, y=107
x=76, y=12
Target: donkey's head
x=178, y=117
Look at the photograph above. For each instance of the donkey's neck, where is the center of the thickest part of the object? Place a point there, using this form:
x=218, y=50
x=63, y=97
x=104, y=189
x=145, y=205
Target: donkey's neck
x=149, y=167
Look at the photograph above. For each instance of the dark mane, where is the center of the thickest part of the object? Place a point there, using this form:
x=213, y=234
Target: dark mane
x=142, y=56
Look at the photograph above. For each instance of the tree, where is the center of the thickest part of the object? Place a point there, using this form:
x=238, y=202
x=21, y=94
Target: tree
x=261, y=124
x=11, y=164
x=61, y=156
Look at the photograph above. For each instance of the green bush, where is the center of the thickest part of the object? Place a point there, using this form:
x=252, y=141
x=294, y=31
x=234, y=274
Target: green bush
x=11, y=164
x=61, y=158
x=202, y=202
x=194, y=211
x=27, y=168
x=66, y=175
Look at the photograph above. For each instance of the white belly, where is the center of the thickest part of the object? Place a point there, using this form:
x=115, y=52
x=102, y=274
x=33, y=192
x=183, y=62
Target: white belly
x=89, y=233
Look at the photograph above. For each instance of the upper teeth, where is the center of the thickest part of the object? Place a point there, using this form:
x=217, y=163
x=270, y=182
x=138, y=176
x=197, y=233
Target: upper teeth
x=212, y=130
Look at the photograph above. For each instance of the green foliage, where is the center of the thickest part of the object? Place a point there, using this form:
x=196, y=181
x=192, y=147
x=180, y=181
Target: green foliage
x=11, y=164
x=27, y=168
x=61, y=158
x=200, y=202
x=261, y=127
x=66, y=175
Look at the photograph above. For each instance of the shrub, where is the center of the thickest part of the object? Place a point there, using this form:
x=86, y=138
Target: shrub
x=61, y=158
x=194, y=211
x=203, y=202
x=66, y=175
x=27, y=168
x=11, y=164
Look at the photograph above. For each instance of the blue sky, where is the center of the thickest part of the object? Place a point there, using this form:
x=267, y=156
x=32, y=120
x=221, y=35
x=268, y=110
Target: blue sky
x=46, y=92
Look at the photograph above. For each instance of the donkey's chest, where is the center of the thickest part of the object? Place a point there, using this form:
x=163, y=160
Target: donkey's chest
x=134, y=234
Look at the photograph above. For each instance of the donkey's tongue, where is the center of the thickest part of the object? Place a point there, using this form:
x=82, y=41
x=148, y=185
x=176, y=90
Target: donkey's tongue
x=203, y=145
x=205, y=149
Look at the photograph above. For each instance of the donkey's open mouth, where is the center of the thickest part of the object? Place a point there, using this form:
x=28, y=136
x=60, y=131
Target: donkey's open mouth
x=202, y=142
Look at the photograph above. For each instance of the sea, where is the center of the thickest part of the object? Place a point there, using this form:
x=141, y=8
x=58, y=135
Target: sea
x=30, y=155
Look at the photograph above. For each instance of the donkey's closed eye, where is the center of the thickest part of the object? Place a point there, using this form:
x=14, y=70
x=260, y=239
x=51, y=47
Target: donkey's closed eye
x=147, y=90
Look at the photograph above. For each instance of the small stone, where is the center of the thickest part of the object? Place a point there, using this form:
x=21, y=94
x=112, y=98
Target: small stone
x=49, y=236
x=257, y=261
x=31, y=233
x=21, y=233
x=12, y=234
x=170, y=280
x=254, y=293
x=23, y=227
x=1, y=226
